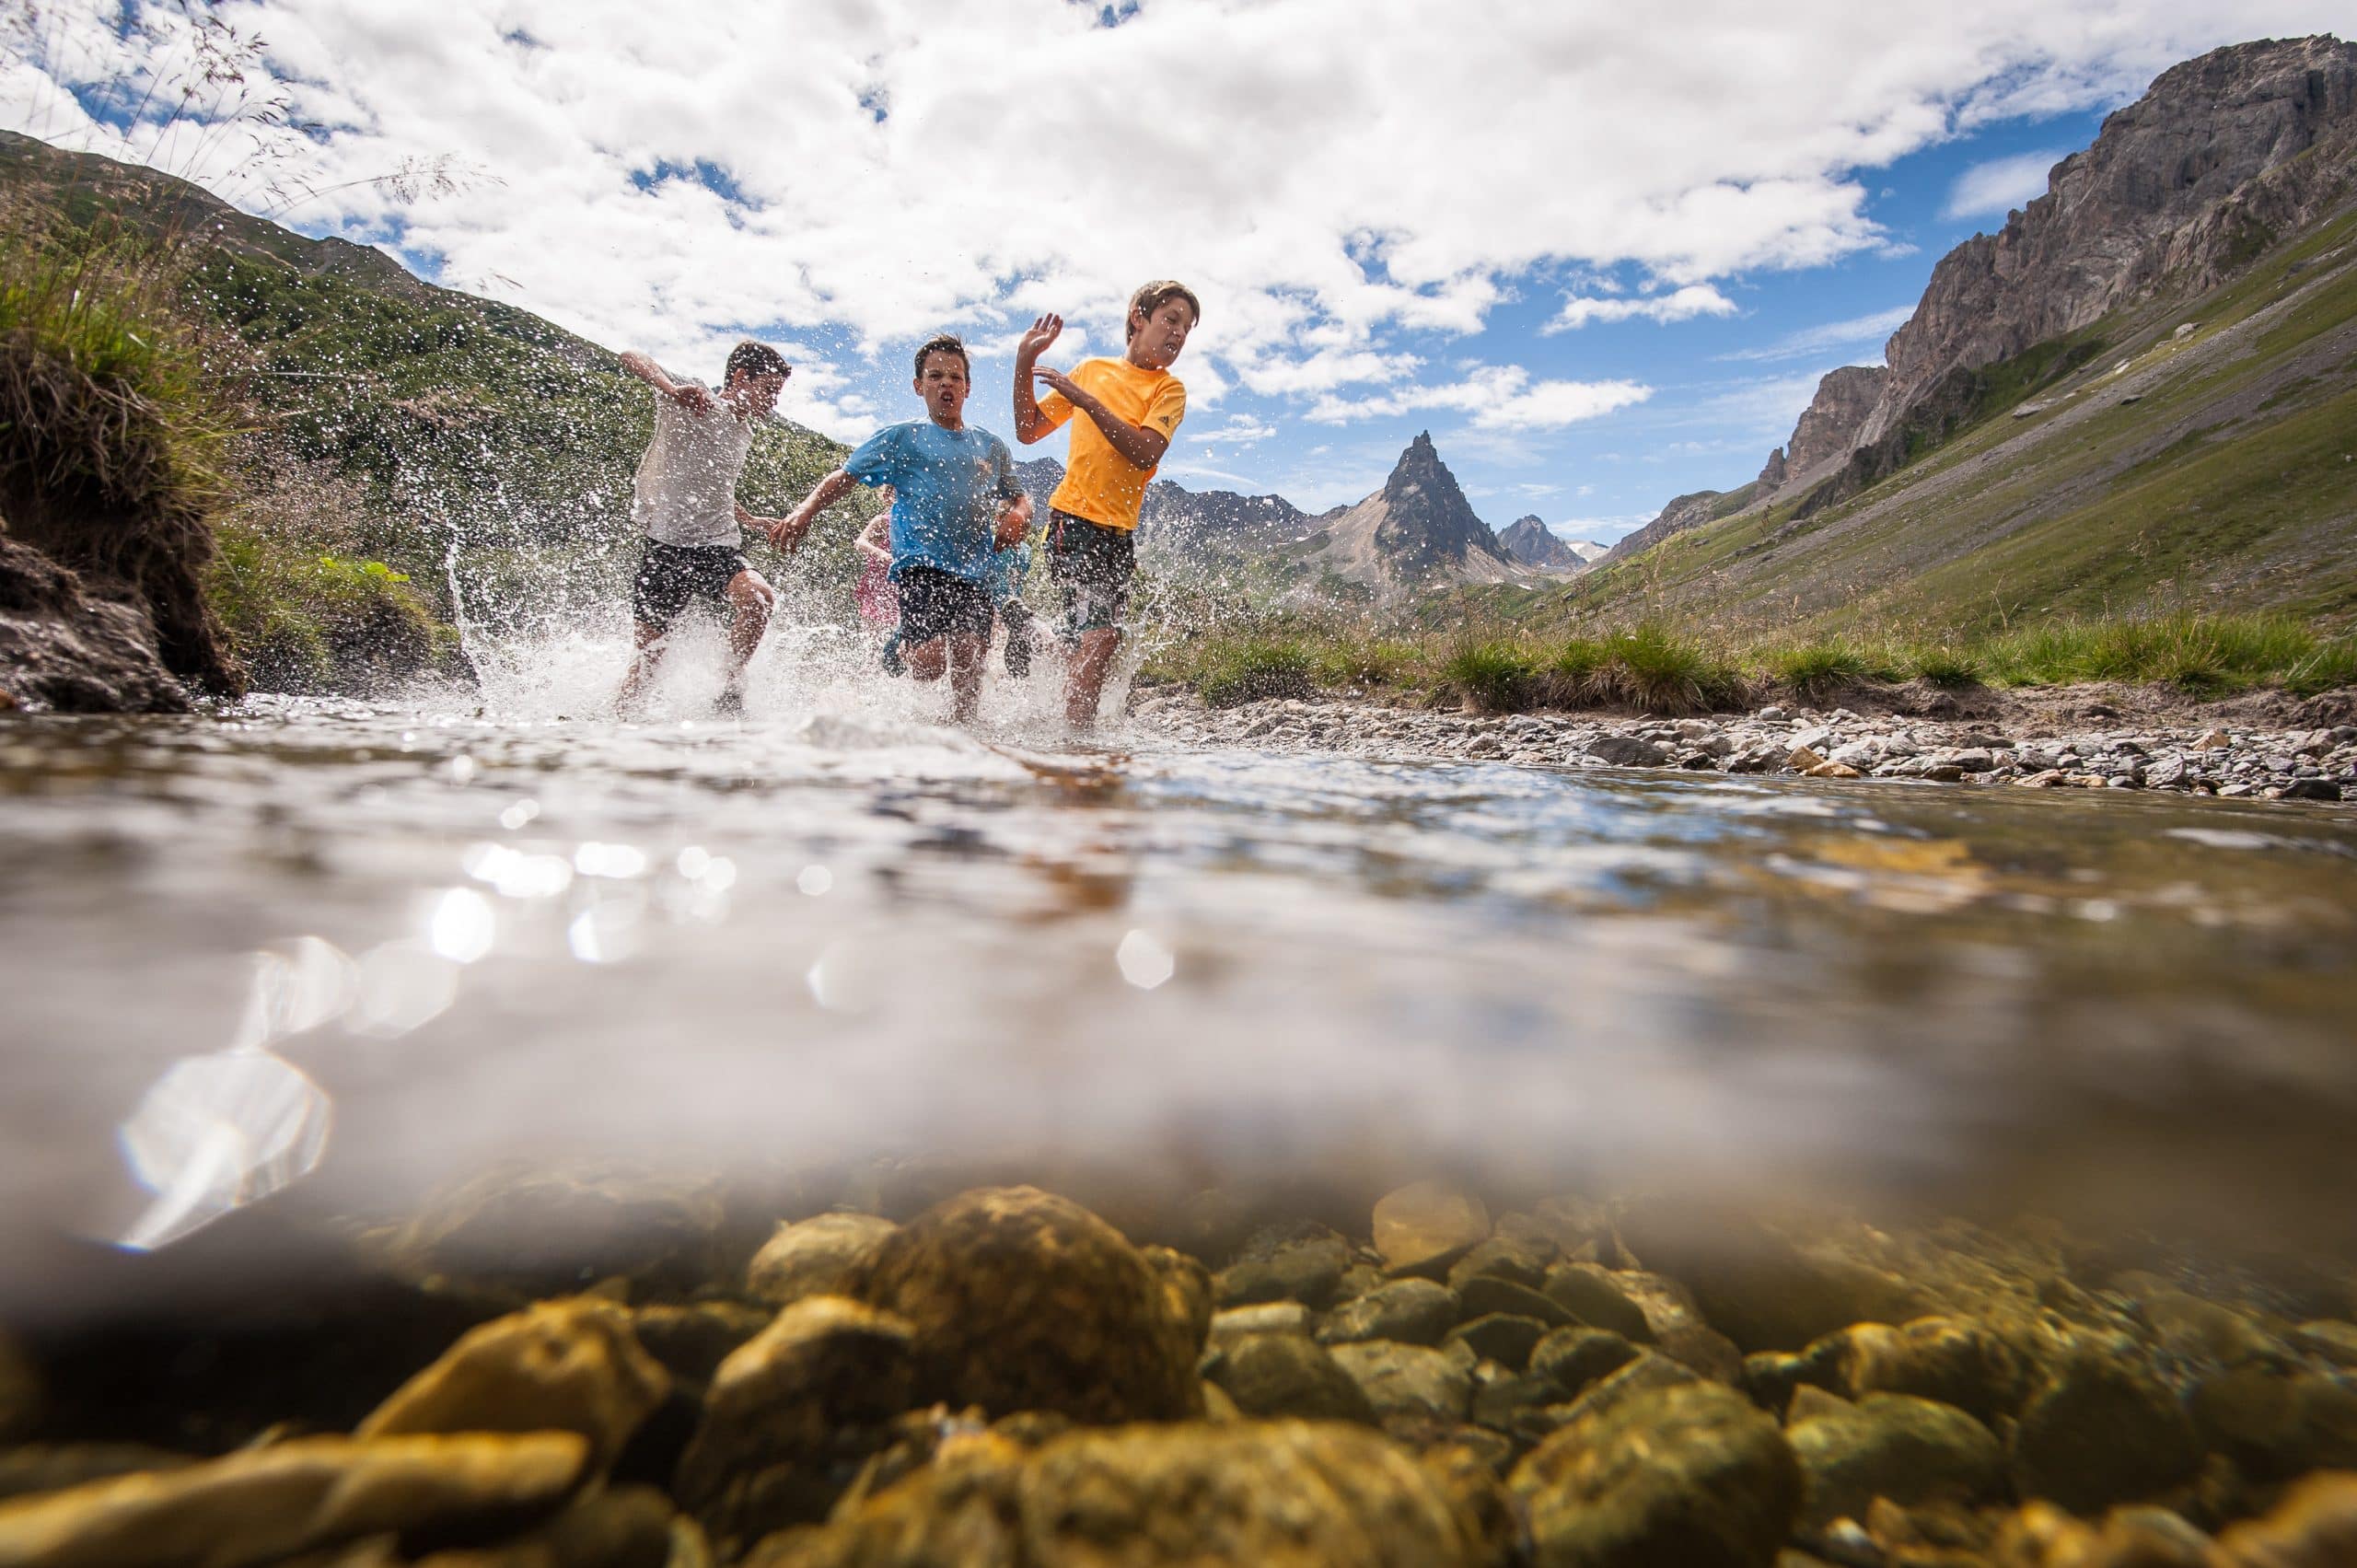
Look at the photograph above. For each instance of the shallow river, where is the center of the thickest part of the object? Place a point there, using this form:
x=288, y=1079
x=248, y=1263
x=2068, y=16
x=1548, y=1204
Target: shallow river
x=363, y=949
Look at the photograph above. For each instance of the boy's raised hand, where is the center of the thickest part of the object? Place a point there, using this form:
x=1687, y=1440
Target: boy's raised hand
x=1059, y=381
x=1044, y=330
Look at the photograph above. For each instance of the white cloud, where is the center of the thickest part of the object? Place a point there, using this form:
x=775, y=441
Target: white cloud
x=1997, y=187
x=1324, y=173
x=1684, y=305
x=1499, y=397
x=1600, y=530
x=1811, y=342
x=1241, y=430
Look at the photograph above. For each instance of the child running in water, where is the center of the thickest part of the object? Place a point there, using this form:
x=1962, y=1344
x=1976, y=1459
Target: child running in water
x=878, y=600
x=956, y=500
x=1133, y=405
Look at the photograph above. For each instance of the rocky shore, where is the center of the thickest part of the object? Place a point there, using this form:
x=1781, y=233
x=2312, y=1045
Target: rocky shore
x=2270, y=747
x=1002, y=1376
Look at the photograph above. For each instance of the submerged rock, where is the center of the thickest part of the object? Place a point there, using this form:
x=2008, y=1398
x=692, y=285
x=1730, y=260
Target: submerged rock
x=792, y=1414
x=810, y=1256
x=1589, y=1294
x=258, y=1506
x=1894, y=1446
x=561, y=1366
x=1410, y=1380
x=1576, y=1357
x=2313, y=1527
x=1410, y=1312
x=1290, y=1493
x=1289, y=1375
x=1758, y=1288
x=1695, y=1476
x=1426, y=1221
x=1021, y=1300
x=547, y=1233
x=2099, y=1431
x=1501, y=1337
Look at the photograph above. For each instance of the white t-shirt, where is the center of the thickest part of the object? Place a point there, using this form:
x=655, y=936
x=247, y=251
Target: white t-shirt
x=685, y=490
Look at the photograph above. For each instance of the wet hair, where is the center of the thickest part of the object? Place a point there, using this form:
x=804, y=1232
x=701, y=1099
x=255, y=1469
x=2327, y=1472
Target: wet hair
x=1153, y=297
x=943, y=342
x=756, y=359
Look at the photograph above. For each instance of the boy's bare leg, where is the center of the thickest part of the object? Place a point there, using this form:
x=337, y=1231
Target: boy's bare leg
x=1084, y=677
x=966, y=652
x=750, y=598
x=926, y=661
x=643, y=667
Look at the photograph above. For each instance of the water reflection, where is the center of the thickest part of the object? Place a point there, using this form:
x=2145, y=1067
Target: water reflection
x=846, y=931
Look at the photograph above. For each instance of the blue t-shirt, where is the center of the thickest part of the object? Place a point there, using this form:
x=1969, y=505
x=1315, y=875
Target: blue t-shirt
x=1008, y=568
x=946, y=486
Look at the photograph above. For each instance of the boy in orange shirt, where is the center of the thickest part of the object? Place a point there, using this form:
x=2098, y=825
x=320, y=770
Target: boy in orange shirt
x=1133, y=406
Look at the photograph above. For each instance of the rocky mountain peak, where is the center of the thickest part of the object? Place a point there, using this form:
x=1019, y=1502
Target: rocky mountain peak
x=2181, y=189
x=1428, y=524
x=1532, y=542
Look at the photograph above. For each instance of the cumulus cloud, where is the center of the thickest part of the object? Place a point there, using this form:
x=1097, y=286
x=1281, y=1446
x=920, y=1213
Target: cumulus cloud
x=1810, y=343
x=1325, y=173
x=1684, y=305
x=1241, y=430
x=1997, y=187
x=1500, y=398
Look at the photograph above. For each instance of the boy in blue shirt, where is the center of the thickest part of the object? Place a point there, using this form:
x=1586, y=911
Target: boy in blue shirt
x=955, y=495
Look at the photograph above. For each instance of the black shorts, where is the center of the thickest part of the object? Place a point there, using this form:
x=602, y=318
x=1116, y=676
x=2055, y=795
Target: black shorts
x=933, y=603
x=1094, y=565
x=671, y=574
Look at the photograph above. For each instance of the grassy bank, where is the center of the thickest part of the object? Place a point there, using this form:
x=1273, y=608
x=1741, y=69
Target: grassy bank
x=1666, y=669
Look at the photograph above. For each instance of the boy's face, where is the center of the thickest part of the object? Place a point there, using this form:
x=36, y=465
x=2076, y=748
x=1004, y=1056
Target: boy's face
x=1155, y=340
x=942, y=385
x=756, y=394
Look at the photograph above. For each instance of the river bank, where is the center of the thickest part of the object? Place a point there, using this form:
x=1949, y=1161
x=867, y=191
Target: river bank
x=2266, y=745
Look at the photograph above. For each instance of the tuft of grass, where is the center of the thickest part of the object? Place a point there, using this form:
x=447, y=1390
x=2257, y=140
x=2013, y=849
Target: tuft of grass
x=1653, y=668
x=1817, y=670
x=1498, y=678
x=2192, y=651
x=2332, y=666
x=1953, y=670
x=1251, y=669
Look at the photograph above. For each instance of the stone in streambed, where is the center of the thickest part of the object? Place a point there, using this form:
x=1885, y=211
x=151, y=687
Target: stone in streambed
x=1575, y=1357
x=260, y=1505
x=1500, y=1337
x=1410, y=1380
x=52, y=1466
x=1022, y=1300
x=1269, y=1317
x=559, y=1367
x=2274, y=1424
x=1911, y=1451
x=1487, y=1293
x=1695, y=1476
x=691, y=1340
x=1518, y=1261
x=1953, y=1360
x=2328, y=1338
x=544, y=1234
x=1587, y=1292
x=1293, y=1494
x=1758, y=1288
x=2313, y=1527
x=2099, y=1431
x=20, y=1396
x=1628, y=751
x=1411, y=1312
x=1309, y=1270
x=1288, y=1375
x=793, y=1412
x=810, y=1256
x=1427, y=1220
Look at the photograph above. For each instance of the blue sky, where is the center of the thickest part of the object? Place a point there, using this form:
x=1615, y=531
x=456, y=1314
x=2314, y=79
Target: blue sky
x=1601, y=253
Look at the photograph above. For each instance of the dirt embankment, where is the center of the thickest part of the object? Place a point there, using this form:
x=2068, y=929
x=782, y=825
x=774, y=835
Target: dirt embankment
x=103, y=544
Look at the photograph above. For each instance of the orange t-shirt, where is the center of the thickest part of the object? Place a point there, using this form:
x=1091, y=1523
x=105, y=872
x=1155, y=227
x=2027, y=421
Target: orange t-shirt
x=1099, y=483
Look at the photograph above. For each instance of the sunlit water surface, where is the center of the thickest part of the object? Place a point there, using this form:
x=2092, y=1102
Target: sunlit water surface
x=365, y=948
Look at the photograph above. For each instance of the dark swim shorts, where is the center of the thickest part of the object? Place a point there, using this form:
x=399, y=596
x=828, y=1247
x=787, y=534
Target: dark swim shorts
x=1094, y=564
x=934, y=603
x=671, y=574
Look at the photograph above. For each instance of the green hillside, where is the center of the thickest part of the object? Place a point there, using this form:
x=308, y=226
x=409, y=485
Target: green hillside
x=454, y=434
x=2216, y=471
